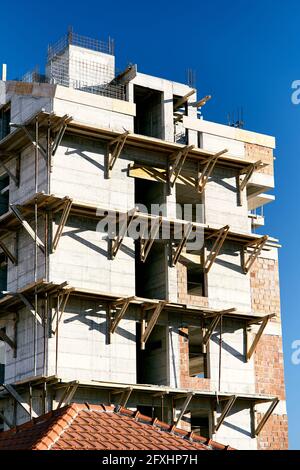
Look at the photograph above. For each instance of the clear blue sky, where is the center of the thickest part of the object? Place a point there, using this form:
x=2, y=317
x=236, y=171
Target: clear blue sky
x=245, y=52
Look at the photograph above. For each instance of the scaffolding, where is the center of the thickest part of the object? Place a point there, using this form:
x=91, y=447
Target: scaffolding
x=150, y=311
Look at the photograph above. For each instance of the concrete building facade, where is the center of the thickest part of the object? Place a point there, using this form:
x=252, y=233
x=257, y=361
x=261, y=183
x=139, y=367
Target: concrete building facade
x=98, y=304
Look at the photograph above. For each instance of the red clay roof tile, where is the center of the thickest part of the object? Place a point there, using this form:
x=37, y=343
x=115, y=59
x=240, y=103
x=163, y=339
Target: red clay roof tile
x=84, y=426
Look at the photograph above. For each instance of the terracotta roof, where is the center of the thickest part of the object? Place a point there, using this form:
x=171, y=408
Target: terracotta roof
x=100, y=427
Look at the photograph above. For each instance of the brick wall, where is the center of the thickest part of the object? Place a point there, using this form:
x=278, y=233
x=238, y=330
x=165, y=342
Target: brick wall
x=274, y=435
x=268, y=362
x=265, y=293
x=268, y=357
x=183, y=296
x=255, y=152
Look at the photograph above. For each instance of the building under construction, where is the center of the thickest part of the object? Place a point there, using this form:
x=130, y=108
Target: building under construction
x=112, y=291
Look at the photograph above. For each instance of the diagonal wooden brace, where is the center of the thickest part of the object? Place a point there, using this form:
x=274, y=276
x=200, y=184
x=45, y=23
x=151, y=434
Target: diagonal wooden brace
x=33, y=141
x=146, y=244
x=118, y=240
x=257, y=247
x=62, y=223
x=177, y=252
x=225, y=412
x=11, y=175
x=184, y=407
x=6, y=420
x=8, y=253
x=60, y=133
x=266, y=416
x=29, y=306
x=176, y=166
x=211, y=329
x=68, y=393
x=258, y=335
x=207, y=170
x=26, y=407
x=123, y=304
x=8, y=340
x=27, y=227
x=215, y=250
x=63, y=298
x=146, y=330
x=248, y=172
x=114, y=150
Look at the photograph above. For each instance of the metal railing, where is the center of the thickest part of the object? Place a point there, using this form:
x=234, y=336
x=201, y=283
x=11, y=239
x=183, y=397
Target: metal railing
x=71, y=38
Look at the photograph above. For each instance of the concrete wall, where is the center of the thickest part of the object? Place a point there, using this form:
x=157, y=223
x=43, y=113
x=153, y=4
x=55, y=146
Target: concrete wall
x=23, y=365
x=237, y=375
x=236, y=428
x=227, y=285
x=78, y=172
x=82, y=259
x=82, y=350
x=94, y=109
x=221, y=201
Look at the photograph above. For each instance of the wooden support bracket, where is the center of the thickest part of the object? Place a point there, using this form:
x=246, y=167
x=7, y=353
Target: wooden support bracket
x=147, y=329
x=8, y=253
x=215, y=320
x=266, y=416
x=176, y=161
x=184, y=407
x=40, y=147
x=248, y=172
x=64, y=217
x=63, y=297
x=30, y=307
x=123, y=305
x=114, y=149
x=15, y=178
x=211, y=329
x=6, y=420
x=207, y=170
x=125, y=395
x=215, y=250
x=146, y=243
x=68, y=393
x=11, y=343
x=177, y=252
x=27, y=227
x=118, y=240
x=26, y=407
x=257, y=247
x=229, y=404
x=60, y=133
x=258, y=335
